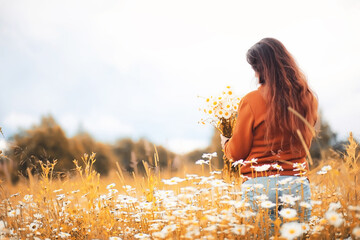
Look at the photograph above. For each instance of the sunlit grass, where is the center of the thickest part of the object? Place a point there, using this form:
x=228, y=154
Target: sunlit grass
x=195, y=204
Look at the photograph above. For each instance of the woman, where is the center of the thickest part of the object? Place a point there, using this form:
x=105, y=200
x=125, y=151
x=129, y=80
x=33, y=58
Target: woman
x=266, y=143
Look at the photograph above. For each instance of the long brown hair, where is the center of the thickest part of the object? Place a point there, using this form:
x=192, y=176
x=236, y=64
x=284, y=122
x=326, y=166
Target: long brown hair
x=285, y=86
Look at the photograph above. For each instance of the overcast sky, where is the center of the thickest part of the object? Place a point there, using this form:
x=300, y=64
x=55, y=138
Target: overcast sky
x=135, y=68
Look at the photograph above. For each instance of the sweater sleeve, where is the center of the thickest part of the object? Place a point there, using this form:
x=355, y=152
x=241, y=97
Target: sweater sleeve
x=239, y=145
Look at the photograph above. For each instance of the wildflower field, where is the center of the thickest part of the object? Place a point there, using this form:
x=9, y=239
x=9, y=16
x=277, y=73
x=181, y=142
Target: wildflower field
x=201, y=203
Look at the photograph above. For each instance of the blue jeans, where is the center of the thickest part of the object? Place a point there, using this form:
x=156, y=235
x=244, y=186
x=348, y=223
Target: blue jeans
x=276, y=189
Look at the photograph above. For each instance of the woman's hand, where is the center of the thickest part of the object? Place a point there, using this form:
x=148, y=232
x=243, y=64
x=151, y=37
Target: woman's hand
x=223, y=140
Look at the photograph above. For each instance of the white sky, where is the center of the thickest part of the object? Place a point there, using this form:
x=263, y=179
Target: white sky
x=134, y=68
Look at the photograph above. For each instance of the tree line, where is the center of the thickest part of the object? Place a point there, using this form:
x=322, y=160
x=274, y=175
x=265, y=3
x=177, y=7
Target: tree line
x=48, y=142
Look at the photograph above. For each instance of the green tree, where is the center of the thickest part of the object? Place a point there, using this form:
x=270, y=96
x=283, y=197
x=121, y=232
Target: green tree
x=324, y=140
x=47, y=142
x=131, y=154
x=105, y=158
x=44, y=142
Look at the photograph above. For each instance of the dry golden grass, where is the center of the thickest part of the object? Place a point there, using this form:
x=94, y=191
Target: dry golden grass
x=189, y=206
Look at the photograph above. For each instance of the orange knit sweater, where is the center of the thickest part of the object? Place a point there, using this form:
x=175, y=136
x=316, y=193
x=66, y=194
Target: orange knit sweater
x=248, y=141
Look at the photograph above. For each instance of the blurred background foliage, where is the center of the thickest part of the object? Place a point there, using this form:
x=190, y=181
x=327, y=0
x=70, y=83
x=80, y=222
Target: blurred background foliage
x=48, y=142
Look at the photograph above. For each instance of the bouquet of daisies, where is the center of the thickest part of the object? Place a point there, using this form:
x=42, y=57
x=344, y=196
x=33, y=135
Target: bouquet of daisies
x=221, y=111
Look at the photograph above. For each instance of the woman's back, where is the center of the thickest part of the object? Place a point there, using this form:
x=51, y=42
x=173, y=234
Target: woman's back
x=265, y=128
x=249, y=140
x=266, y=136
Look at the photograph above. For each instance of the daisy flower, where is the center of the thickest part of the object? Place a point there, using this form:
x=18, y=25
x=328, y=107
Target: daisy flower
x=247, y=214
x=154, y=227
x=356, y=232
x=218, y=183
x=261, y=168
x=288, y=213
x=267, y=204
x=201, y=162
x=64, y=235
x=209, y=155
x=285, y=181
x=241, y=204
x=111, y=185
x=220, y=113
x=305, y=205
x=291, y=230
x=214, y=103
x=215, y=172
x=160, y=235
x=14, y=212
x=253, y=160
x=211, y=228
x=305, y=227
x=334, y=206
x=128, y=230
x=173, y=181
x=28, y=198
x=38, y=216
x=299, y=166
x=334, y=218
x=169, y=229
x=210, y=111
x=314, y=202
x=277, y=166
x=262, y=197
x=15, y=195
x=228, y=106
x=258, y=186
x=141, y=236
x=289, y=199
x=241, y=161
x=326, y=168
x=227, y=114
x=321, y=172
x=33, y=227
x=60, y=197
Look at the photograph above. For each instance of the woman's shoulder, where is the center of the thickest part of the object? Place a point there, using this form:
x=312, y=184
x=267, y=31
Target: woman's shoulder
x=254, y=97
x=255, y=102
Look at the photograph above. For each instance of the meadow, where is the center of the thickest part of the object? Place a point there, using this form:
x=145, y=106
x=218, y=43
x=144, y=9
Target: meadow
x=198, y=202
